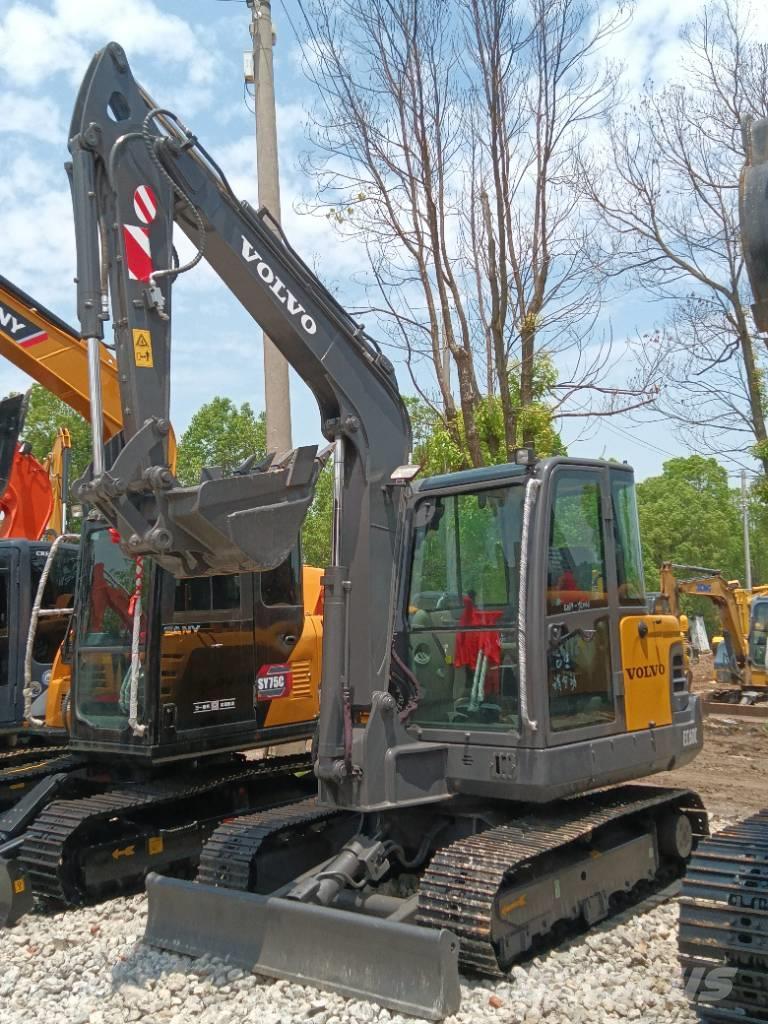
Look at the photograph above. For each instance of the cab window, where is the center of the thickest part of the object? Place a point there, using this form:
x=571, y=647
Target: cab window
x=576, y=573
x=59, y=594
x=5, y=610
x=463, y=610
x=207, y=593
x=283, y=584
x=626, y=533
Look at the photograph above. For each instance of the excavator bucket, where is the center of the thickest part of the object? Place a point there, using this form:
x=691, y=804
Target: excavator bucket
x=405, y=967
x=247, y=521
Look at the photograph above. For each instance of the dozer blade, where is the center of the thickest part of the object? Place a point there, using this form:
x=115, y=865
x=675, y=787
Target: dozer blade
x=404, y=967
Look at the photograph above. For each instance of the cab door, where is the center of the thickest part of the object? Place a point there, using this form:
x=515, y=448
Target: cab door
x=582, y=654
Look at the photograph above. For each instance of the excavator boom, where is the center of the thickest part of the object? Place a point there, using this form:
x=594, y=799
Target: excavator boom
x=126, y=151
x=46, y=348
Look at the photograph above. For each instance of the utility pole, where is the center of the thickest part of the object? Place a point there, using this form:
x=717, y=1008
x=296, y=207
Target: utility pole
x=745, y=517
x=276, y=387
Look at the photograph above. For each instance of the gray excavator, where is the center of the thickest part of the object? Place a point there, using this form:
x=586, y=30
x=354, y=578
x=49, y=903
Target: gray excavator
x=724, y=899
x=492, y=680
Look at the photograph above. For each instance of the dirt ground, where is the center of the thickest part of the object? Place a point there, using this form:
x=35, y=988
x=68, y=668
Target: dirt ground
x=731, y=772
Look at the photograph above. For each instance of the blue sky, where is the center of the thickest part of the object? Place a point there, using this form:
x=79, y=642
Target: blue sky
x=190, y=57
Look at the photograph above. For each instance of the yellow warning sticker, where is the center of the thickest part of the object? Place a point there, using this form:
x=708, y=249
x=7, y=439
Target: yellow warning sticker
x=19, y=885
x=155, y=845
x=142, y=348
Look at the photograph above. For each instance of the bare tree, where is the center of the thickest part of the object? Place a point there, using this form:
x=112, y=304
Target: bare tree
x=669, y=193
x=448, y=137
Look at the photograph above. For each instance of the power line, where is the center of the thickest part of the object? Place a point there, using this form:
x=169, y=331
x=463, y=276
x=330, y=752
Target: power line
x=649, y=445
x=304, y=13
x=296, y=35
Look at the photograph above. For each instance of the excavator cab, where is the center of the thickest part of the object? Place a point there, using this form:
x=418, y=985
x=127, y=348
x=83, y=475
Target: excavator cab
x=21, y=566
x=534, y=635
x=214, y=656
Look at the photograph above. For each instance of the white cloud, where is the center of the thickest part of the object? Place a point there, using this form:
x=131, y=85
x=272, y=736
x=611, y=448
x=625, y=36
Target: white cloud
x=40, y=118
x=37, y=41
x=38, y=248
x=650, y=46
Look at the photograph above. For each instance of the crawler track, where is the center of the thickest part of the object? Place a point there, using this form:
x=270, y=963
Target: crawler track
x=254, y=852
x=724, y=924
x=501, y=890
x=80, y=850
x=507, y=888
x=20, y=769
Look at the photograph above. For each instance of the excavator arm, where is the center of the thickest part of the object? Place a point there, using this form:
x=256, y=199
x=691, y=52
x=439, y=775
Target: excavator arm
x=136, y=171
x=57, y=464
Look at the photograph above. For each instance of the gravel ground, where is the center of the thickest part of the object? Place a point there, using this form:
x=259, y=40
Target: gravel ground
x=90, y=967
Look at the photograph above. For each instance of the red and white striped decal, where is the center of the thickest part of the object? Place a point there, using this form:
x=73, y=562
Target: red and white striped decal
x=145, y=204
x=137, y=254
x=34, y=339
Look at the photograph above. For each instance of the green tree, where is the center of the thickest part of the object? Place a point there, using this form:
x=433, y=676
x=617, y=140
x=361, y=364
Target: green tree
x=437, y=450
x=316, y=532
x=220, y=434
x=45, y=414
x=689, y=515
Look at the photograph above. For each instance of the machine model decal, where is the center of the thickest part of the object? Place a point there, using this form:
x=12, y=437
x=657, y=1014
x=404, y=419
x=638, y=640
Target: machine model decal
x=142, y=348
x=137, y=254
x=691, y=736
x=145, y=204
x=204, y=707
x=19, y=329
x=276, y=286
x=272, y=682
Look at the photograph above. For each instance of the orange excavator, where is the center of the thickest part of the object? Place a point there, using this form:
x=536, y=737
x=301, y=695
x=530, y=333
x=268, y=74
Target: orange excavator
x=740, y=664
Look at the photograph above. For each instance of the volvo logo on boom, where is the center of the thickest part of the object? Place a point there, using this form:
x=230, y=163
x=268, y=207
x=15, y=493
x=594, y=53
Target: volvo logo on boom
x=277, y=287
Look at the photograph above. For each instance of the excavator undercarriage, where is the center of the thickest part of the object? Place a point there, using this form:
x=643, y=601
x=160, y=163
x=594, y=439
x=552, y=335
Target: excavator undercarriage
x=486, y=887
